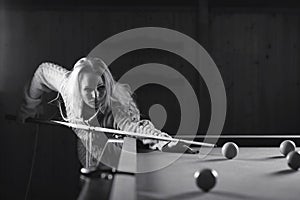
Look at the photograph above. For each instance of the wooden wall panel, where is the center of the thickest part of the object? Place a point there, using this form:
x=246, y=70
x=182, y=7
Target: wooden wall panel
x=258, y=58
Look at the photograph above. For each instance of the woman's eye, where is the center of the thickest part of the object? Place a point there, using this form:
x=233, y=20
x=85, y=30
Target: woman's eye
x=88, y=90
x=100, y=87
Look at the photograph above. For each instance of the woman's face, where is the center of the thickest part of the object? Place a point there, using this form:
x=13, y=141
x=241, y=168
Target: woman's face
x=92, y=89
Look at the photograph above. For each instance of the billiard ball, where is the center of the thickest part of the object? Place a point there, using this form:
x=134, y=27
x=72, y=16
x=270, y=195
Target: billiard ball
x=206, y=179
x=287, y=146
x=230, y=150
x=293, y=160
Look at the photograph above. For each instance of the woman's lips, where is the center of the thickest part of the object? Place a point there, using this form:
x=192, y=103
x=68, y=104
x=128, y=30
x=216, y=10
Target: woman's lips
x=93, y=102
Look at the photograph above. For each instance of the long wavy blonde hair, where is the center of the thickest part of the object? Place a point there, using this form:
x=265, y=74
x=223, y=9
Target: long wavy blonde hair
x=117, y=94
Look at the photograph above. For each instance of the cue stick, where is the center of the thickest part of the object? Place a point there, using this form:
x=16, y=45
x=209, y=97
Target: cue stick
x=124, y=185
x=239, y=136
x=113, y=131
x=31, y=120
x=139, y=135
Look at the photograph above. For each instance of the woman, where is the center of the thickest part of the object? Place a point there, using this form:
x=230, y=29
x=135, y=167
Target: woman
x=92, y=97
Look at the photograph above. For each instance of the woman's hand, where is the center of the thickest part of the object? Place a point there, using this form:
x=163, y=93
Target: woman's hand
x=171, y=143
x=25, y=113
x=30, y=107
x=146, y=127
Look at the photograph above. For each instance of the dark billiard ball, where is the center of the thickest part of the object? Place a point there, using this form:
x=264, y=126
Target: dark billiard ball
x=230, y=150
x=287, y=146
x=206, y=179
x=293, y=160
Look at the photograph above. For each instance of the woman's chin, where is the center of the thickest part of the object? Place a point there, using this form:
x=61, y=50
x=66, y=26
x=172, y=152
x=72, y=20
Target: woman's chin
x=90, y=105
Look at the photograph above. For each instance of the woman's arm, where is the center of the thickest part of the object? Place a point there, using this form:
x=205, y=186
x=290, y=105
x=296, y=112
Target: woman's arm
x=48, y=77
x=130, y=122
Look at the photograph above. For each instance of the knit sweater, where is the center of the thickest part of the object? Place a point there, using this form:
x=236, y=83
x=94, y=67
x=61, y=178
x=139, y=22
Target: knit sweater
x=51, y=77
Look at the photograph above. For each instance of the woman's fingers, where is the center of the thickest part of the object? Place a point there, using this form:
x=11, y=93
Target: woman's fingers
x=146, y=127
x=149, y=141
x=170, y=144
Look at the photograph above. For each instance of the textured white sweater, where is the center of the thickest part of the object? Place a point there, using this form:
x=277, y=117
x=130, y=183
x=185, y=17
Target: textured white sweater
x=51, y=77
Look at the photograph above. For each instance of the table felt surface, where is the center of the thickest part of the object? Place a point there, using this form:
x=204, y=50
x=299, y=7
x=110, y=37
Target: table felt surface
x=256, y=173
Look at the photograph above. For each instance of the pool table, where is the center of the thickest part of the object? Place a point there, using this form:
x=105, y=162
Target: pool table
x=256, y=173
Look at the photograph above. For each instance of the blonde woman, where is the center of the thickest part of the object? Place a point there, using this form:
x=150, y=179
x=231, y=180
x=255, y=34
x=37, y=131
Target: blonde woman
x=92, y=97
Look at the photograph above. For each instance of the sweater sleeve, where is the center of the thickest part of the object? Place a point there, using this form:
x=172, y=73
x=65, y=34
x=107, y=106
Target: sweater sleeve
x=130, y=121
x=48, y=77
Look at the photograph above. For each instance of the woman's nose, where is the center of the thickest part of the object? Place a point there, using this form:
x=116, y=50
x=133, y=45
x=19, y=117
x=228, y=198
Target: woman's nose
x=95, y=94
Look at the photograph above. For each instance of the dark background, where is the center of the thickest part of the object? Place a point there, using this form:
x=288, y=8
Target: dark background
x=255, y=45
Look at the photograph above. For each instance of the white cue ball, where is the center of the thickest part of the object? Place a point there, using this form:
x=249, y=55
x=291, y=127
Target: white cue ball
x=230, y=150
x=206, y=179
x=287, y=146
x=293, y=160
